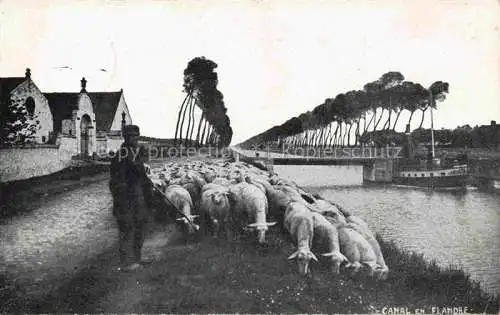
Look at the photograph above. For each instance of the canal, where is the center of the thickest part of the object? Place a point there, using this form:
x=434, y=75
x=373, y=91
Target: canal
x=459, y=228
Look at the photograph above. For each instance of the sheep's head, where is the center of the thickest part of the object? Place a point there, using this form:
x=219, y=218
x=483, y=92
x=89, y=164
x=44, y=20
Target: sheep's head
x=190, y=225
x=336, y=259
x=219, y=197
x=303, y=259
x=261, y=229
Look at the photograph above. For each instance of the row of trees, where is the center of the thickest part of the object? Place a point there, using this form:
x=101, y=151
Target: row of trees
x=332, y=122
x=200, y=84
x=487, y=136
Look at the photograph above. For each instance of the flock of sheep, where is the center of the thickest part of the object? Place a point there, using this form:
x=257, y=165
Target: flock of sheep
x=232, y=197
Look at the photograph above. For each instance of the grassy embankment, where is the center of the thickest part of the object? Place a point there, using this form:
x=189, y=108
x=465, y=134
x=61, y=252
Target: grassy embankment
x=216, y=276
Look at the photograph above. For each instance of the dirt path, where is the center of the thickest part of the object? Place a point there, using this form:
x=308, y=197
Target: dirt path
x=51, y=255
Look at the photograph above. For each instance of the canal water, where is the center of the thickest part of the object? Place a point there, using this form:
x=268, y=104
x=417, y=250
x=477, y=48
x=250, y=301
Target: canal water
x=459, y=228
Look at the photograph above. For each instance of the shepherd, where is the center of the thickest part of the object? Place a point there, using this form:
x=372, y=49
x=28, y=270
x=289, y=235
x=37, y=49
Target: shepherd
x=131, y=189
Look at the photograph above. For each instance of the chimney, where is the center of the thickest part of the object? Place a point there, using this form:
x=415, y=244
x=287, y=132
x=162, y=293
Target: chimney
x=84, y=85
x=28, y=73
x=493, y=123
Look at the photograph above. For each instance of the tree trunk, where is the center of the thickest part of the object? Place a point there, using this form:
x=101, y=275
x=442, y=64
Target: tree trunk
x=378, y=121
x=192, y=126
x=334, y=138
x=203, y=140
x=334, y=135
x=190, y=114
x=199, y=128
x=179, y=118
x=320, y=138
x=396, y=121
x=184, y=118
x=349, y=135
x=340, y=135
x=411, y=115
x=327, y=137
x=209, y=133
x=423, y=115
x=368, y=125
x=356, y=133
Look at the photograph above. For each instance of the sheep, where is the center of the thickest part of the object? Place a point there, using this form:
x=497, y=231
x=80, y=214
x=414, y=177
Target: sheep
x=250, y=201
x=279, y=197
x=181, y=199
x=327, y=209
x=209, y=176
x=194, y=186
x=362, y=228
x=222, y=181
x=215, y=210
x=299, y=223
x=326, y=239
x=357, y=249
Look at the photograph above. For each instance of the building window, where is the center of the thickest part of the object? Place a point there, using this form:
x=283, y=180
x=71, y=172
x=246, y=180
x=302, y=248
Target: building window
x=44, y=139
x=30, y=106
x=443, y=173
x=423, y=175
x=70, y=132
x=432, y=174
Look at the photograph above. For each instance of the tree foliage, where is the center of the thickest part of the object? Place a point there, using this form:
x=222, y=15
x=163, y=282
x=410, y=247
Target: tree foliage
x=17, y=126
x=200, y=85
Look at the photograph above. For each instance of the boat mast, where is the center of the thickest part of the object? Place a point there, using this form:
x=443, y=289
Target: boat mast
x=432, y=126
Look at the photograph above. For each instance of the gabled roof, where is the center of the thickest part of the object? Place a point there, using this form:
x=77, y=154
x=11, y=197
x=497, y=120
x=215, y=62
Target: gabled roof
x=104, y=105
x=7, y=85
x=62, y=106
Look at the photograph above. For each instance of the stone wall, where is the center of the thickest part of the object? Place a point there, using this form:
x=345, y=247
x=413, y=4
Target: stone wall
x=68, y=144
x=114, y=143
x=23, y=163
x=380, y=172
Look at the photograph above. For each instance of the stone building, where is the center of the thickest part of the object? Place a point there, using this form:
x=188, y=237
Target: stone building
x=22, y=90
x=84, y=123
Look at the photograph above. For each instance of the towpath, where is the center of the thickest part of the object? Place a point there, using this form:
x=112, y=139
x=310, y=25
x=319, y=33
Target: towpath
x=63, y=236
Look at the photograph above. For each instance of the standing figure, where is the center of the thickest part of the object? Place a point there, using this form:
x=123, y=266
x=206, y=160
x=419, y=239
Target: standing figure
x=131, y=189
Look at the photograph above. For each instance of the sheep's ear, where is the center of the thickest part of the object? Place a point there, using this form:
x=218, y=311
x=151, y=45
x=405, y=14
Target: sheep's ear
x=251, y=225
x=313, y=256
x=271, y=223
x=292, y=256
x=327, y=254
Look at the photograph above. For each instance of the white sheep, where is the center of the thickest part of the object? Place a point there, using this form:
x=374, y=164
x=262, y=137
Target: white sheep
x=181, y=199
x=215, y=210
x=326, y=239
x=362, y=228
x=250, y=202
x=328, y=209
x=357, y=249
x=299, y=223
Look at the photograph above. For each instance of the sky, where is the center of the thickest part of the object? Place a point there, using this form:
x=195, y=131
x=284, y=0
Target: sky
x=276, y=59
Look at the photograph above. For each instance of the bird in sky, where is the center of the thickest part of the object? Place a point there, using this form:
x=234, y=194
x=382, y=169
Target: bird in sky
x=63, y=67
